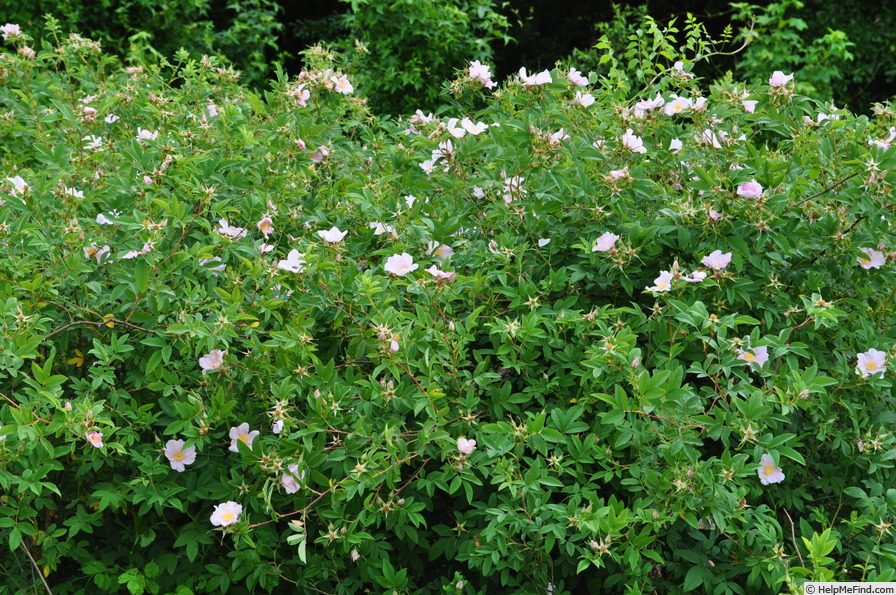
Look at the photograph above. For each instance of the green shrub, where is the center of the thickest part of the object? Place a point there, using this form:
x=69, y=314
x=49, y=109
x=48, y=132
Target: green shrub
x=649, y=413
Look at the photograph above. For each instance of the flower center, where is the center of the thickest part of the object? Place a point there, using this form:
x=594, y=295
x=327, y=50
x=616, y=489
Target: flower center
x=769, y=469
x=871, y=366
x=228, y=517
x=864, y=260
x=749, y=357
x=179, y=455
x=245, y=438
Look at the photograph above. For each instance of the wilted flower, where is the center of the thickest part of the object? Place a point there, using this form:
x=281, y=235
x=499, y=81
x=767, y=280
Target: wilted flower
x=241, y=433
x=232, y=233
x=95, y=438
x=716, y=260
x=440, y=274
x=466, y=446
x=226, y=514
x=332, y=235
x=605, y=242
x=646, y=105
x=277, y=426
x=400, y=264
x=212, y=360
x=875, y=259
x=768, y=472
x=871, y=362
x=178, y=456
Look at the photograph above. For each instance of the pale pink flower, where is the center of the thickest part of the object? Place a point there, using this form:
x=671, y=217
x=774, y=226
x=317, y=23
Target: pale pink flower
x=212, y=360
x=871, y=362
x=716, y=260
x=10, y=30
x=757, y=355
x=583, y=99
x=226, y=514
x=277, y=426
x=94, y=143
x=95, y=438
x=633, y=143
x=290, y=480
x=455, y=131
x=874, y=260
x=675, y=145
x=542, y=242
x=319, y=155
x=474, y=129
x=394, y=346
x=355, y=556
x=341, y=84
x=440, y=274
x=27, y=52
x=18, y=185
x=513, y=188
x=779, y=79
x=677, y=105
x=380, y=228
x=144, y=135
x=410, y=199
x=647, y=105
x=400, y=264
x=111, y=119
x=768, y=472
x=577, y=78
x=215, y=269
x=178, y=456
x=265, y=226
x=294, y=263
x=751, y=189
x=478, y=192
x=714, y=215
x=605, y=242
x=466, y=446
x=662, y=283
x=265, y=248
x=332, y=235
x=229, y=232
x=439, y=249
x=695, y=277
x=482, y=73
x=73, y=192
x=94, y=251
x=616, y=174
x=147, y=180
x=242, y=434
x=212, y=109
x=542, y=78
x=679, y=69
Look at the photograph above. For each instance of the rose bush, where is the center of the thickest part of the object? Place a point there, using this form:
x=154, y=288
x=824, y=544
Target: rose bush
x=577, y=342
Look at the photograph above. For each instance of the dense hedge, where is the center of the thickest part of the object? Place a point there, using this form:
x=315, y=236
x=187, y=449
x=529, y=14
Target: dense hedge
x=572, y=333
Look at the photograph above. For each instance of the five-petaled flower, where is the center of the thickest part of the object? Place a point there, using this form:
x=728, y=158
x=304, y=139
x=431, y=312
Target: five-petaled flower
x=874, y=260
x=716, y=260
x=226, y=514
x=229, y=231
x=95, y=438
x=534, y=80
x=605, y=242
x=400, y=264
x=466, y=446
x=758, y=356
x=94, y=251
x=10, y=30
x=768, y=472
x=178, y=456
x=212, y=360
x=871, y=362
x=265, y=226
x=144, y=135
x=241, y=433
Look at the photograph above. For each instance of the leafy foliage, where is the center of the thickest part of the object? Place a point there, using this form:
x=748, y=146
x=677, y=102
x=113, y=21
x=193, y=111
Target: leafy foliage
x=164, y=279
